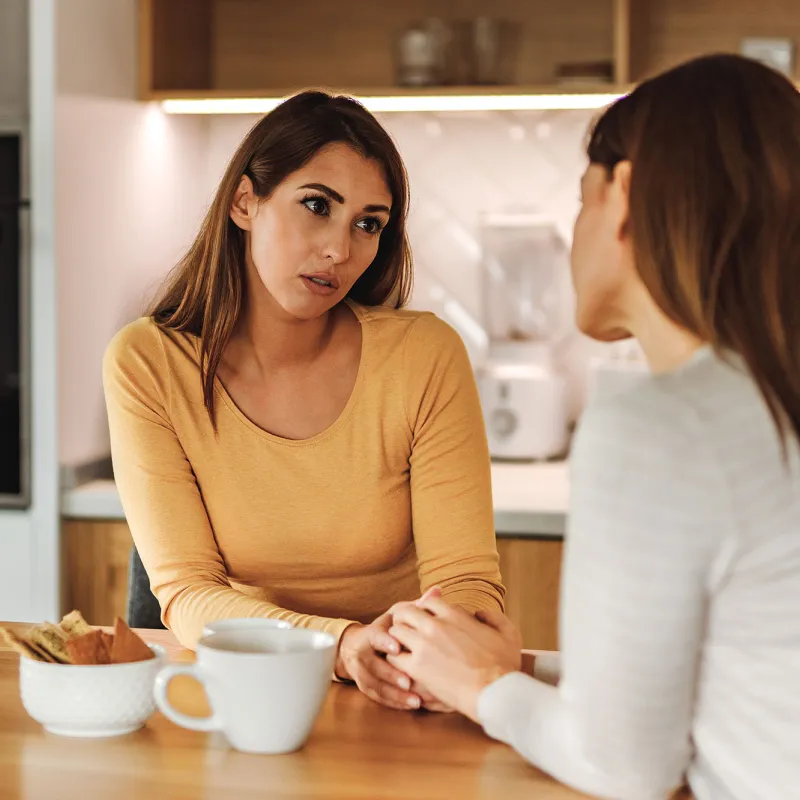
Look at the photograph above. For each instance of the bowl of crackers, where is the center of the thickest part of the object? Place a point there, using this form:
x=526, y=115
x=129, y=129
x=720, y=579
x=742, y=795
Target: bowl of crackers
x=77, y=680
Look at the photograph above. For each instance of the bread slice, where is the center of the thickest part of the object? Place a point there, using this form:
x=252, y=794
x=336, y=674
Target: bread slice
x=73, y=624
x=24, y=647
x=52, y=640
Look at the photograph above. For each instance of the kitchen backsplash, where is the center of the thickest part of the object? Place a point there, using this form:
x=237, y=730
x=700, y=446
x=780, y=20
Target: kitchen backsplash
x=462, y=166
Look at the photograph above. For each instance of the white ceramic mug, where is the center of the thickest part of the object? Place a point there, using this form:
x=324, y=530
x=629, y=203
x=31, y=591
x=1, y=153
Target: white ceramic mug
x=250, y=623
x=265, y=686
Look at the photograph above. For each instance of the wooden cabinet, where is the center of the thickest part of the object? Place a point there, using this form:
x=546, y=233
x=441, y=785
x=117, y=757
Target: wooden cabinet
x=531, y=570
x=240, y=48
x=262, y=48
x=95, y=568
x=663, y=33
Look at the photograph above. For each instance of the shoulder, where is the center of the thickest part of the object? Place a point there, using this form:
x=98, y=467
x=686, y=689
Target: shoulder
x=648, y=444
x=422, y=334
x=687, y=409
x=651, y=413
x=144, y=343
x=136, y=342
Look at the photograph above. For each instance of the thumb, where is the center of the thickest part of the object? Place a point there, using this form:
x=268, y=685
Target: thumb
x=433, y=592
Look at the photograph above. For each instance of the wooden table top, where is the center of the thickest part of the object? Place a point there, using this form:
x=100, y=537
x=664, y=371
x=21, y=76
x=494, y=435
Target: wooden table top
x=357, y=750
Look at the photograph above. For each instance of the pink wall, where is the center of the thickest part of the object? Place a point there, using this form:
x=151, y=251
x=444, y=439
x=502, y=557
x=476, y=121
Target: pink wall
x=129, y=195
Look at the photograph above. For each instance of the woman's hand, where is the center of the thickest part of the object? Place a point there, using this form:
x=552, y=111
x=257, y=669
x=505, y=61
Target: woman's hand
x=360, y=659
x=454, y=654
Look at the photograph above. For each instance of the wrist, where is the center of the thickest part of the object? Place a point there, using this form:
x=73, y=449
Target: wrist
x=468, y=700
x=340, y=669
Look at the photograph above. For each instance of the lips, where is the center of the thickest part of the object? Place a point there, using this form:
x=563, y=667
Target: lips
x=322, y=279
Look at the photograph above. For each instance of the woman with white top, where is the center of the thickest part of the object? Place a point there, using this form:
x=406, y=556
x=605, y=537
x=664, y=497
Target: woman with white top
x=680, y=612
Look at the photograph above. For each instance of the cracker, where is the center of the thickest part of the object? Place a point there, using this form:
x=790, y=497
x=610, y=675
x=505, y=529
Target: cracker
x=108, y=643
x=89, y=649
x=21, y=646
x=73, y=624
x=127, y=646
x=52, y=640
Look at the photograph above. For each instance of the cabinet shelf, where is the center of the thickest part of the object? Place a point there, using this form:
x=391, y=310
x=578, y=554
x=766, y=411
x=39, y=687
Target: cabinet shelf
x=243, y=56
x=392, y=98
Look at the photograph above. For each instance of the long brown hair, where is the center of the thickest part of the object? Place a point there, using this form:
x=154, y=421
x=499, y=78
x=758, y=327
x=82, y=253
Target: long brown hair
x=205, y=293
x=714, y=147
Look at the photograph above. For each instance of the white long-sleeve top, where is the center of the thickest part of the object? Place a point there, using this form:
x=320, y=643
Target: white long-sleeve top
x=680, y=606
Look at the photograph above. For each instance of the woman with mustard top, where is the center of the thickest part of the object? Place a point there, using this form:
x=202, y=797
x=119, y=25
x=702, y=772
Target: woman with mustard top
x=287, y=442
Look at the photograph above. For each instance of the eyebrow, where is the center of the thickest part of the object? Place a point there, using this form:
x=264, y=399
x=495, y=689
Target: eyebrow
x=336, y=197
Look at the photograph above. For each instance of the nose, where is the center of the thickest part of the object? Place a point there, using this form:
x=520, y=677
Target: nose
x=337, y=243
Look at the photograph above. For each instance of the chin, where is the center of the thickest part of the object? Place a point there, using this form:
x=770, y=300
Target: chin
x=602, y=331
x=308, y=308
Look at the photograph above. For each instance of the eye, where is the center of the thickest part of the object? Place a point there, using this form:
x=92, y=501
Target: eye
x=317, y=205
x=371, y=225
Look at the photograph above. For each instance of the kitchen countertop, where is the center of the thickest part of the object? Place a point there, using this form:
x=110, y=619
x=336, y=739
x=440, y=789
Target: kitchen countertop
x=530, y=500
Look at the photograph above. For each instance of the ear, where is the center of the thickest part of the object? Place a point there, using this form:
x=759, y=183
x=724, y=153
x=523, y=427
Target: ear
x=620, y=197
x=244, y=205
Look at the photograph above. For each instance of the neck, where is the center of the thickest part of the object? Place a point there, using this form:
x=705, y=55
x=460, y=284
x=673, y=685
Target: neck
x=666, y=345
x=275, y=339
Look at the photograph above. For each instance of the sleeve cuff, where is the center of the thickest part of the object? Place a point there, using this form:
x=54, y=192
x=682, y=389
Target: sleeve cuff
x=547, y=667
x=499, y=704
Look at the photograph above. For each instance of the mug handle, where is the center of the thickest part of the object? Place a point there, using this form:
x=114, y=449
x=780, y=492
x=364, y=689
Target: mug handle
x=204, y=724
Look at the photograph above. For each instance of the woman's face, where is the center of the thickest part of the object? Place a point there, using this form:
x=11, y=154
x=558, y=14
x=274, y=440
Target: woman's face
x=602, y=255
x=317, y=233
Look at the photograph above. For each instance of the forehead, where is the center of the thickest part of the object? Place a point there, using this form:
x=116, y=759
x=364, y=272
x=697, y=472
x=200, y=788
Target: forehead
x=344, y=169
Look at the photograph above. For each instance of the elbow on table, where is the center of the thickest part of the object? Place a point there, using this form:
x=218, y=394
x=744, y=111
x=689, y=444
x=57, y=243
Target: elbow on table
x=180, y=613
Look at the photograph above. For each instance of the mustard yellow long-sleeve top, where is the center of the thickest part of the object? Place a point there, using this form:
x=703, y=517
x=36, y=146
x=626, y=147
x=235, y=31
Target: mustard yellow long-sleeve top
x=391, y=499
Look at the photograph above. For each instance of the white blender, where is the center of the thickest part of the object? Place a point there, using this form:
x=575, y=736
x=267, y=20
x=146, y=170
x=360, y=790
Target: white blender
x=527, y=310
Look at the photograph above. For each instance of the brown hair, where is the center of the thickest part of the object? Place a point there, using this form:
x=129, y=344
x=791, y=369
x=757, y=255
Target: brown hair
x=714, y=147
x=205, y=293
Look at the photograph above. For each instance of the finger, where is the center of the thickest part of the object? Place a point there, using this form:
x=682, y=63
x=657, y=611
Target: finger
x=451, y=614
x=402, y=662
x=410, y=638
x=434, y=591
x=381, y=641
x=386, y=694
x=399, y=606
x=413, y=616
x=384, y=671
x=437, y=707
x=425, y=696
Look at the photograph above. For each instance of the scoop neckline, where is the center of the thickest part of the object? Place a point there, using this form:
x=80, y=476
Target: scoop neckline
x=336, y=424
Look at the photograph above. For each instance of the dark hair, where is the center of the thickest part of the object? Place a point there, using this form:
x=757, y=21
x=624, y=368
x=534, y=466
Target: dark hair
x=205, y=293
x=714, y=147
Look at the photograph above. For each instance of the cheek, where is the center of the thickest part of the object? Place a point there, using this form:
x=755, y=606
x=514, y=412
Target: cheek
x=584, y=236
x=277, y=243
x=595, y=271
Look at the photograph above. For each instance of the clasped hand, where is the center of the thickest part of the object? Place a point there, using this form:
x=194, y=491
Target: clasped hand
x=428, y=654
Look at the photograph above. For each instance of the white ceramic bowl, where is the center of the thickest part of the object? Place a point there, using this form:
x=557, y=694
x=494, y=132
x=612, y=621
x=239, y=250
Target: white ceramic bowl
x=90, y=701
x=245, y=623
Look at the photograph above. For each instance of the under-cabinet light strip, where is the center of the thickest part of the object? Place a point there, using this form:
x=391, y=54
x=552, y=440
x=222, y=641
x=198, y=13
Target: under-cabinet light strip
x=500, y=102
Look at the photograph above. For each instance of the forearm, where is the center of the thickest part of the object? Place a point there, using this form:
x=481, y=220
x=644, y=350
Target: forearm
x=474, y=594
x=536, y=720
x=191, y=607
